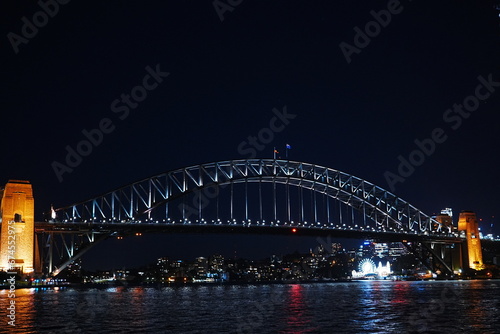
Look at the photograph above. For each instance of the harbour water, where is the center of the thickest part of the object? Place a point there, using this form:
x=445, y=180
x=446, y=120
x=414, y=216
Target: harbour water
x=347, y=307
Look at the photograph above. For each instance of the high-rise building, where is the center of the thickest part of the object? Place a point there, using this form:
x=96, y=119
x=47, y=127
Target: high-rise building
x=447, y=211
x=396, y=249
x=388, y=250
x=74, y=268
x=381, y=249
x=446, y=219
x=201, y=266
x=162, y=265
x=216, y=262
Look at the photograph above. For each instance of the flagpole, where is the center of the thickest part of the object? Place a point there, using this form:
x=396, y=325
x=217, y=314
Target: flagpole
x=274, y=153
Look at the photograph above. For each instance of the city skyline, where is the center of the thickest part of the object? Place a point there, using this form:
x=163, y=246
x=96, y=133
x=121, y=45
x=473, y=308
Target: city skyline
x=326, y=261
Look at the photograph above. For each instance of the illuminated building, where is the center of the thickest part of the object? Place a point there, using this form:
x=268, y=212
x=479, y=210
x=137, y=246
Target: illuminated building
x=162, y=263
x=17, y=227
x=389, y=250
x=467, y=222
x=201, y=266
x=447, y=211
x=75, y=268
x=381, y=249
x=216, y=263
x=336, y=248
x=396, y=249
x=446, y=219
x=331, y=248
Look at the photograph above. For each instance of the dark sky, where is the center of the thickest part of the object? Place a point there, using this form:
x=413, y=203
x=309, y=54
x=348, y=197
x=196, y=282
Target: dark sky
x=225, y=78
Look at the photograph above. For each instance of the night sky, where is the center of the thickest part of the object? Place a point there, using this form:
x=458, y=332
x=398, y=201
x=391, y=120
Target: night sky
x=227, y=70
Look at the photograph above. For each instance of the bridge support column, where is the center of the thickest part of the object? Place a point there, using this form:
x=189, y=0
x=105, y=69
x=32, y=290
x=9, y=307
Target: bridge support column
x=17, y=227
x=473, y=255
x=58, y=249
x=437, y=257
x=455, y=257
x=44, y=241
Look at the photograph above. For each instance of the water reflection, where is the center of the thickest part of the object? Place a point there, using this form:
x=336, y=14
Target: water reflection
x=357, y=307
x=401, y=293
x=23, y=311
x=380, y=305
x=297, y=320
x=481, y=305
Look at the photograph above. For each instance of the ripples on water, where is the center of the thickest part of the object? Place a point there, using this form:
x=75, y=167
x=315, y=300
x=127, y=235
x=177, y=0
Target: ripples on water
x=355, y=307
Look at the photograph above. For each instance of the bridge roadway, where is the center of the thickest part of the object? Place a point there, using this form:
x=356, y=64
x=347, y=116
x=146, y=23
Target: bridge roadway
x=130, y=229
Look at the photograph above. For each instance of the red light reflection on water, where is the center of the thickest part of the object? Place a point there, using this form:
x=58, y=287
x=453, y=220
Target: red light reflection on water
x=401, y=293
x=297, y=321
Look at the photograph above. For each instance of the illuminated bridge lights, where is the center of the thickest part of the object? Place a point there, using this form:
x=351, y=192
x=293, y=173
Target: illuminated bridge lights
x=311, y=193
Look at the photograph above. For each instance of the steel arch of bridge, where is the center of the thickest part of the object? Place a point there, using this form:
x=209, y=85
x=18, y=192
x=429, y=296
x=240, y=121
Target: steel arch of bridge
x=138, y=202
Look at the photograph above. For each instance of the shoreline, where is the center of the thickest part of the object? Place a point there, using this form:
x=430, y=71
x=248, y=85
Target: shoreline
x=180, y=284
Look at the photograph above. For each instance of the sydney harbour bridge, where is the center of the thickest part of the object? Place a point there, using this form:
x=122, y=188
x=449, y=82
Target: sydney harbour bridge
x=265, y=196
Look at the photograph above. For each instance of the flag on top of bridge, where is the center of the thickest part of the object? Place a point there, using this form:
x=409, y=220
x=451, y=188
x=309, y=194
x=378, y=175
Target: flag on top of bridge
x=52, y=212
x=286, y=150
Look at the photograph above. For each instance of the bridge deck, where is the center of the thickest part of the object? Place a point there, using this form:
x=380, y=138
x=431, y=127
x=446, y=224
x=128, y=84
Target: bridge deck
x=130, y=229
